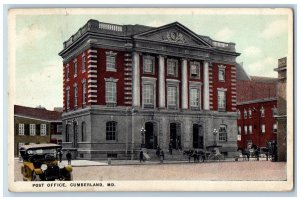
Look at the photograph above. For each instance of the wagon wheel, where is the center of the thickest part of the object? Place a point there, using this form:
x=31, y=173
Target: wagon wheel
x=35, y=177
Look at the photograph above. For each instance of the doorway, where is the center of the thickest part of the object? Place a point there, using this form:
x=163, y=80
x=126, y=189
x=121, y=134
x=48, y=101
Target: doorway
x=150, y=136
x=198, y=136
x=175, y=135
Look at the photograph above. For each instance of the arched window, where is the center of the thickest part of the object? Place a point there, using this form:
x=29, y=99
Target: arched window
x=111, y=130
x=67, y=133
x=83, y=132
x=223, y=133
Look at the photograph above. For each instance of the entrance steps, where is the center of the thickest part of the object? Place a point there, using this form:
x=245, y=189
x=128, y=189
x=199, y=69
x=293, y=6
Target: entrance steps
x=177, y=155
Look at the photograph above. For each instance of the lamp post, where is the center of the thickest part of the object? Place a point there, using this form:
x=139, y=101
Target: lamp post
x=215, y=132
x=143, y=130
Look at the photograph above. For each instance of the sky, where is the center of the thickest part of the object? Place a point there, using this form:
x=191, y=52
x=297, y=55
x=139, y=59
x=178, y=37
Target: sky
x=260, y=38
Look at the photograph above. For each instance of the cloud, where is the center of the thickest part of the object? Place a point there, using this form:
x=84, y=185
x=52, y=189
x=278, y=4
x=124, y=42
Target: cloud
x=263, y=67
x=28, y=36
x=42, y=87
x=251, y=51
x=274, y=29
x=224, y=34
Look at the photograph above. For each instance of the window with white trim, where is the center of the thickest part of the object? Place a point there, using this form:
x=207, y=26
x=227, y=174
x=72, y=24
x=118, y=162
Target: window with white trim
x=75, y=67
x=195, y=70
x=250, y=129
x=68, y=98
x=172, y=97
x=195, y=98
x=262, y=111
x=111, y=61
x=172, y=67
x=83, y=64
x=59, y=128
x=250, y=113
x=221, y=100
x=239, y=114
x=110, y=92
x=43, y=129
x=239, y=130
x=148, y=64
x=83, y=91
x=221, y=73
x=21, y=129
x=111, y=130
x=245, y=130
x=67, y=72
x=223, y=133
x=275, y=127
x=75, y=95
x=32, y=129
x=263, y=128
x=148, y=95
x=245, y=114
x=274, y=111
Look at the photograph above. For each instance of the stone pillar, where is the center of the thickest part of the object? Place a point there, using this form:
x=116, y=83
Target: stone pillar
x=206, y=87
x=136, y=80
x=184, y=85
x=161, y=82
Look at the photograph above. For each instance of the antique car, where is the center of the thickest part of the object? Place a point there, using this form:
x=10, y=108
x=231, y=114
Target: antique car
x=40, y=163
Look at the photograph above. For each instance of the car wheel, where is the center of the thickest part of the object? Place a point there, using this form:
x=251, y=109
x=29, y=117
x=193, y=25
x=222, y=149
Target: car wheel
x=69, y=177
x=35, y=177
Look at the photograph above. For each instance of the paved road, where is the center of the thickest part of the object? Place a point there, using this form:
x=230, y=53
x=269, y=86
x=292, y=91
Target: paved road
x=242, y=170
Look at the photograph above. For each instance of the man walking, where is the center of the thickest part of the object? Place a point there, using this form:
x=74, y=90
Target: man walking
x=69, y=157
x=141, y=156
x=60, y=154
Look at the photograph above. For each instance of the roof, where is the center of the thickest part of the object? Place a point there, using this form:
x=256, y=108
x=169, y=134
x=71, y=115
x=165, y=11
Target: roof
x=256, y=88
x=37, y=113
x=37, y=146
x=241, y=74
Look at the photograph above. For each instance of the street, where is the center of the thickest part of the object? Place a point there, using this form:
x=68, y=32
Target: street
x=242, y=170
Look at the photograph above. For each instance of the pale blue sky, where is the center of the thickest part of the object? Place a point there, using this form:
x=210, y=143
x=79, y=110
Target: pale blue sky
x=262, y=40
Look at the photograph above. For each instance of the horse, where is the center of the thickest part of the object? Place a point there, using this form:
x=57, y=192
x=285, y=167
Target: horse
x=245, y=153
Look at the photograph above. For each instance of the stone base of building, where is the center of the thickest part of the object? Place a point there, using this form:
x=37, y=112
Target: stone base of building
x=97, y=133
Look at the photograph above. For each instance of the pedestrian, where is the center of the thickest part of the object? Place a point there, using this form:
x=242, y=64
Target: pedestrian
x=60, y=154
x=141, y=156
x=257, y=153
x=170, y=148
x=162, y=156
x=157, y=151
x=69, y=157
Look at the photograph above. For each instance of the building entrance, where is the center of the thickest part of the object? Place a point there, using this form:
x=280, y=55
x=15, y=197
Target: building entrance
x=150, y=136
x=197, y=136
x=175, y=135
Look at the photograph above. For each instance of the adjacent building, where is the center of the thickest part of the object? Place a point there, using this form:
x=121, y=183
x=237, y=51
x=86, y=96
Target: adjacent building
x=132, y=86
x=256, y=109
x=282, y=107
x=36, y=125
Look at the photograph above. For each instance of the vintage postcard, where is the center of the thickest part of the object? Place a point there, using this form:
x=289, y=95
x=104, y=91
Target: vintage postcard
x=150, y=99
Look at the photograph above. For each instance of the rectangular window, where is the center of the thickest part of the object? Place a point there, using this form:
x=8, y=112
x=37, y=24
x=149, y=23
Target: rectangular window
x=221, y=74
x=245, y=114
x=67, y=72
x=83, y=92
x=262, y=112
x=21, y=129
x=223, y=133
x=172, y=97
x=274, y=111
x=195, y=98
x=43, y=129
x=83, y=63
x=110, y=92
x=195, y=70
x=249, y=113
x=148, y=95
x=172, y=66
x=68, y=99
x=263, y=128
x=58, y=128
x=239, y=130
x=75, y=68
x=148, y=64
x=250, y=129
x=110, y=61
x=221, y=100
x=245, y=130
x=275, y=127
x=32, y=129
x=75, y=96
x=111, y=130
